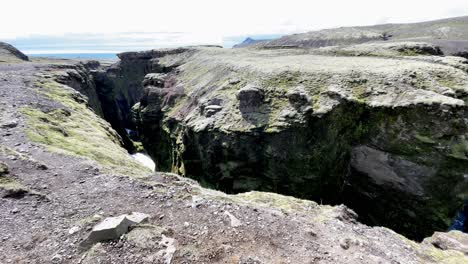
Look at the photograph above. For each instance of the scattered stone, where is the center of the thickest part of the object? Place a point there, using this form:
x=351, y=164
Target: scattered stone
x=345, y=243
x=170, y=248
x=73, y=230
x=234, y=81
x=212, y=109
x=234, y=221
x=42, y=166
x=250, y=260
x=15, y=211
x=9, y=124
x=56, y=258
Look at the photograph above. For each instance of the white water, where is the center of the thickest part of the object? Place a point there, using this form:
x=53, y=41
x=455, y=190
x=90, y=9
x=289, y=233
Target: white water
x=145, y=160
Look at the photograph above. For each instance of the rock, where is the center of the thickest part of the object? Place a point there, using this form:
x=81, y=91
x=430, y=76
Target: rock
x=298, y=97
x=3, y=169
x=138, y=218
x=250, y=98
x=109, y=228
x=234, y=81
x=212, y=109
x=15, y=210
x=386, y=169
x=9, y=123
x=154, y=79
x=453, y=240
x=233, y=220
x=113, y=227
x=345, y=243
x=170, y=247
x=57, y=258
x=42, y=166
x=74, y=230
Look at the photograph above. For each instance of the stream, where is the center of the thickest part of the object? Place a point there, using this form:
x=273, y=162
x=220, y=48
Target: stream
x=144, y=159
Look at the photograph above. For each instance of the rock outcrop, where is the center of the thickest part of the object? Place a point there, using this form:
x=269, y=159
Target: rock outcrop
x=385, y=136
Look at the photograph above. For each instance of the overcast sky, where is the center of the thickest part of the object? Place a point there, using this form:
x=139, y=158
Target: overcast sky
x=179, y=22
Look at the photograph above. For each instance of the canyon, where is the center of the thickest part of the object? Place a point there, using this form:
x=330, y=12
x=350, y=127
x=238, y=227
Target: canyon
x=316, y=153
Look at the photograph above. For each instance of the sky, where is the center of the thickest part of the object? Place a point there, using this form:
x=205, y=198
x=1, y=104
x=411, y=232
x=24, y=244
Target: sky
x=101, y=25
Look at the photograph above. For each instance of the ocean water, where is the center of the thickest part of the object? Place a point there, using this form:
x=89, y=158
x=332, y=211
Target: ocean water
x=102, y=56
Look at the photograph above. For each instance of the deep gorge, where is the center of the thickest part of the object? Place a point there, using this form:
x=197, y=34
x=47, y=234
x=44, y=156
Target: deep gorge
x=354, y=154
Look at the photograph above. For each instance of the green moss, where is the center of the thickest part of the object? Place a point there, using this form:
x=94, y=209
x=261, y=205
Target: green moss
x=425, y=139
x=76, y=130
x=3, y=169
x=269, y=200
x=284, y=80
x=459, y=150
x=11, y=185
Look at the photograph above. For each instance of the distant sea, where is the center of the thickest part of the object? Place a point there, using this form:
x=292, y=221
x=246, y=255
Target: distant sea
x=105, y=56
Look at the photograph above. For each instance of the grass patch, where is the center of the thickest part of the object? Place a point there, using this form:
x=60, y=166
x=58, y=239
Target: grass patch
x=10, y=184
x=77, y=130
x=425, y=139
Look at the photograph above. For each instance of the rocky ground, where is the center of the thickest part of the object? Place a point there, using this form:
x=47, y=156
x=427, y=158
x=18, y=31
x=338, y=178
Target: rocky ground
x=59, y=177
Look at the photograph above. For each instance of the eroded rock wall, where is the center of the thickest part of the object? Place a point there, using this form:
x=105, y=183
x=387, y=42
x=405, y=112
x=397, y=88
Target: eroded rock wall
x=388, y=139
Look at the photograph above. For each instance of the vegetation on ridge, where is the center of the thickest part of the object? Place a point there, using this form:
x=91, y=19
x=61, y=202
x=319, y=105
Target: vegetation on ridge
x=77, y=130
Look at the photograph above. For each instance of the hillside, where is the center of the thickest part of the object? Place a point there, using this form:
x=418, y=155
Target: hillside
x=450, y=34
x=9, y=53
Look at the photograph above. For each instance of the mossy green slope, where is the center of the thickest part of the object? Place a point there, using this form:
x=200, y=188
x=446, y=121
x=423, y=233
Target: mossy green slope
x=74, y=129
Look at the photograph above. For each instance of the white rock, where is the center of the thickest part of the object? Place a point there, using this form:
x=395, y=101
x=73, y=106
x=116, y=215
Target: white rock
x=110, y=228
x=170, y=245
x=114, y=227
x=234, y=221
x=137, y=218
x=73, y=230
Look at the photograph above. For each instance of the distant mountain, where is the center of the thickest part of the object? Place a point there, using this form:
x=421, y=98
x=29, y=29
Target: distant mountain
x=248, y=42
x=450, y=34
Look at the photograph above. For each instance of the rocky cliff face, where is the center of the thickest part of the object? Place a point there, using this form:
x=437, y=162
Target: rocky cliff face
x=385, y=136
x=119, y=86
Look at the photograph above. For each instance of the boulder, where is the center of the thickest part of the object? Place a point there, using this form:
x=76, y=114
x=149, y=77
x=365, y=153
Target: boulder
x=154, y=79
x=113, y=227
x=9, y=123
x=250, y=98
x=298, y=97
x=453, y=240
